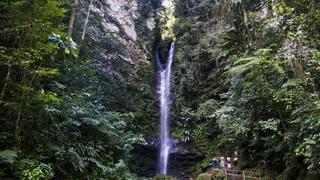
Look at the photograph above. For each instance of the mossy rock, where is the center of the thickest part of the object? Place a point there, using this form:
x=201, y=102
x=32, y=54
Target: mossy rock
x=310, y=177
x=267, y=178
x=163, y=177
x=204, y=176
x=290, y=173
x=216, y=172
x=293, y=173
x=220, y=175
x=212, y=175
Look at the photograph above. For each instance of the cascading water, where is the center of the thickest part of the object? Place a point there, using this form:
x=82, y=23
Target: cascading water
x=164, y=73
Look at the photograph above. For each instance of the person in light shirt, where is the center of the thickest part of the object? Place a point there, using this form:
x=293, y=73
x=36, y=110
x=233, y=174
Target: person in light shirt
x=222, y=162
x=229, y=166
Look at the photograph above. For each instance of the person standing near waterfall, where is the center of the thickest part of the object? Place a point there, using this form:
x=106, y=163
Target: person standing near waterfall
x=229, y=166
x=214, y=163
x=235, y=161
x=222, y=162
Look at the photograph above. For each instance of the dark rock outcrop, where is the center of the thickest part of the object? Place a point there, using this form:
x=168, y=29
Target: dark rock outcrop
x=182, y=161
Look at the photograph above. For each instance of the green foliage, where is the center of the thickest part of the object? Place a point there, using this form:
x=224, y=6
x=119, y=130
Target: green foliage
x=204, y=177
x=246, y=79
x=8, y=156
x=75, y=160
x=245, y=64
x=43, y=171
x=249, y=71
x=65, y=115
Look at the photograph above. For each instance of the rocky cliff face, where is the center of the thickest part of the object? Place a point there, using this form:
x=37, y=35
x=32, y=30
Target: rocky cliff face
x=119, y=40
x=130, y=23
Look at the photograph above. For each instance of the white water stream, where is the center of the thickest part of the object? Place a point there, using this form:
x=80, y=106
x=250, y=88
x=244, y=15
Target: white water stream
x=164, y=73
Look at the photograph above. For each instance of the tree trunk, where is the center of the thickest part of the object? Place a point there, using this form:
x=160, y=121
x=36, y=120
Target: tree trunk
x=87, y=20
x=17, y=130
x=73, y=17
x=6, y=82
x=245, y=14
x=24, y=95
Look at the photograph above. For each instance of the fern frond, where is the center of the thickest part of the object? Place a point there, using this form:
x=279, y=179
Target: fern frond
x=292, y=83
x=98, y=164
x=76, y=160
x=244, y=64
x=8, y=156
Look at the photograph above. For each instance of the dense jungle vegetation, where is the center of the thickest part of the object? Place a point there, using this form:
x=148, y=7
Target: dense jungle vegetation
x=77, y=97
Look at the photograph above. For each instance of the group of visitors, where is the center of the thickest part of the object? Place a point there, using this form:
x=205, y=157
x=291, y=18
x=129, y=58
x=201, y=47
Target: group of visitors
x=224, y=163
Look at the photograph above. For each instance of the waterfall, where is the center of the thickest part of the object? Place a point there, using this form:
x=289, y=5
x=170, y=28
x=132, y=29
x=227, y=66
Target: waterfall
x=164, y=77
